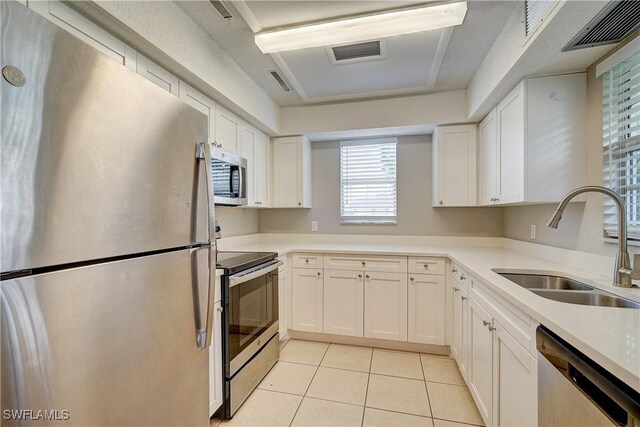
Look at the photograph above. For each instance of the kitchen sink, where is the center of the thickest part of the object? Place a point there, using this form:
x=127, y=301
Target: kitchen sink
x=567, y=290
x=596, y=298
x=541, y=281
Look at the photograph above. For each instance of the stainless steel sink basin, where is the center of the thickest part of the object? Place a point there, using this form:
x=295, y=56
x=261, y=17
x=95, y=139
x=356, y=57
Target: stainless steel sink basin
x=600, y=299
x=567, y=290
x=540, y=281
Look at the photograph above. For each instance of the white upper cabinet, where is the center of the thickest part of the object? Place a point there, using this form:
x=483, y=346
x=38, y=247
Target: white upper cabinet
x=291, y=172
x=156, y=74
x=454, y=166
x=262, y=160
x=532, y=146
x=201, y=103
x=81, y=27
x=488, y=159
x=228, y=130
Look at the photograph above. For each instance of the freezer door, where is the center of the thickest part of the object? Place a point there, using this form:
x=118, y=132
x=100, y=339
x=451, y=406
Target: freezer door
x=108, y=344
x=96, y=160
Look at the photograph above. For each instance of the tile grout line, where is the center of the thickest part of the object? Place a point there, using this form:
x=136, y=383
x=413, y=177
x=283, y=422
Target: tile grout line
x=310, y=382
x=366, y=393
x=433, y=423
x=459, y=422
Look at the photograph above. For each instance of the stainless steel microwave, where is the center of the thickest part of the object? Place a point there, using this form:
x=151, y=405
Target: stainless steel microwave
x=229, y=173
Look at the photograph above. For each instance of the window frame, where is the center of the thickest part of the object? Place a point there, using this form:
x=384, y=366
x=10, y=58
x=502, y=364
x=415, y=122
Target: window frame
x=631, y=153
x=369, y=220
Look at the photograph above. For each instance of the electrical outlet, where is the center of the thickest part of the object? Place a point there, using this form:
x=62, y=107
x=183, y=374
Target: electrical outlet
x=314, y=225
x=533, y=231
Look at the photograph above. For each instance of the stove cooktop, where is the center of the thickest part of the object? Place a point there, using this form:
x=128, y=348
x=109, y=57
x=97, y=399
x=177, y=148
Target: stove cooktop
x=232, y=262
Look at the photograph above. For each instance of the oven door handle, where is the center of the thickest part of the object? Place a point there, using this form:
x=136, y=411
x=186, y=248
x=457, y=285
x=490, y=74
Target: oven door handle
x=237, y=279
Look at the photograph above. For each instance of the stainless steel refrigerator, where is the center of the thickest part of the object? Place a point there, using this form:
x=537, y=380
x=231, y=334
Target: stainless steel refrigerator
x=107, y=259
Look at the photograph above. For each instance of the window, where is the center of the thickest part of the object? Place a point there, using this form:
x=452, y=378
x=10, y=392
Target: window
x=368, y=181
x=621, y=140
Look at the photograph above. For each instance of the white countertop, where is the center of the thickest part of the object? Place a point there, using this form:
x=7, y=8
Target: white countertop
x=609, y=336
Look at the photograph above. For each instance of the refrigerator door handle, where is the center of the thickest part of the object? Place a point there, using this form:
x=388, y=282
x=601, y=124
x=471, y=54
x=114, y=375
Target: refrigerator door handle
x=203, y=315
x=203, y=154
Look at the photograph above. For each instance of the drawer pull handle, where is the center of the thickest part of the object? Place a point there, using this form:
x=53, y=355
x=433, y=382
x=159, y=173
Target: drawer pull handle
x=426, y=266
x=491, y=328
x=360, y=276
x=485, y=323
x=456, y=289
x=367, y=276
x=364, y=263
x=463, y=277
x=463, y=298
x=411, y=278
x=319, y=273
x=454, y=270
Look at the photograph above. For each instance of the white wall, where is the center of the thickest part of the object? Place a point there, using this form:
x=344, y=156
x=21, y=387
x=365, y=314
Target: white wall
x=235, y=221
x=415, y=214
x=431, y=109
x=163, y=32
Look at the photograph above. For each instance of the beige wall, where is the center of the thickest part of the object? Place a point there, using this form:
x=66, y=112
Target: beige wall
x=581, y=225
x=415, y=214
x=237, y=221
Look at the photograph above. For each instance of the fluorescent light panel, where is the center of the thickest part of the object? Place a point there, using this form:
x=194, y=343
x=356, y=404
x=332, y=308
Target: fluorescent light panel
x=363, y=28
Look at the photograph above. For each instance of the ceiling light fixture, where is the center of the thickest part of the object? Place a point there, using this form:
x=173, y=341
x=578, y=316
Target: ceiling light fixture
x=362, y=28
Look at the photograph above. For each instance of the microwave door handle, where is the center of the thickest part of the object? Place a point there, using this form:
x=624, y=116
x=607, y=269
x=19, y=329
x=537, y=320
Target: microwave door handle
x=203, y=154
x=231, y=171
x=241, y=193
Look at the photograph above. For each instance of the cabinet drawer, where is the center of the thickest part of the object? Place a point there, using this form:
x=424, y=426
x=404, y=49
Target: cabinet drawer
x=303, y=260
x=368, y=262
x=419, y=265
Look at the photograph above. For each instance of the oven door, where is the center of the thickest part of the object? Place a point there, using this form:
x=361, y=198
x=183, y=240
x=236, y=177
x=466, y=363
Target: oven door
x=229, y=174
x=251, y=315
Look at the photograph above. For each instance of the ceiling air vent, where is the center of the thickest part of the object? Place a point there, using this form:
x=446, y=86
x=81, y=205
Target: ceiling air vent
x=612, y=24
x=222, y=9
x=281, y=81
x=351, y=52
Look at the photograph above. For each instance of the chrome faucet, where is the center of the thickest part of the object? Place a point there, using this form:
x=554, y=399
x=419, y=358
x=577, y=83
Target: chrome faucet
x=623, y=273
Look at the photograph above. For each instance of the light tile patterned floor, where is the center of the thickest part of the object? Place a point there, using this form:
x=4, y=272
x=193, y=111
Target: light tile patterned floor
x=320, y=384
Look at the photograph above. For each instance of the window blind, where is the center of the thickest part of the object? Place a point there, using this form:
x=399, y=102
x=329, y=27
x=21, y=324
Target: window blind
x=621, y=140
x=368, y=181
x=535, y=12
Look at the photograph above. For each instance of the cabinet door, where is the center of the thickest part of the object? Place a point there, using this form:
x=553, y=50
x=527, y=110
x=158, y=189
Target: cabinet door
x=460, y=328
x=287, y=172
x=261, y=169
x=157, y=75
x=480, y=374
x=426, y=309
x=307, y=301
x=455, y=165
x=282, y=303
x=247, y=151
x=86, y=30
x=385, y=306
x=201, y=103
x=343, y=302
x=228, y=130
x=488, y=159
x=515, y=379
x=510, y=120
x=215, y=361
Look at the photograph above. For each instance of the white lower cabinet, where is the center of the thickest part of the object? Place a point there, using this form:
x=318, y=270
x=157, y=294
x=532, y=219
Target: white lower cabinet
x=480, y=371
x=307, y=300
x=460, y=328
x=515, y=379
x=426, y=309
x=215, y=361
x=385, y=306
x=343, y=302
x=283, y=325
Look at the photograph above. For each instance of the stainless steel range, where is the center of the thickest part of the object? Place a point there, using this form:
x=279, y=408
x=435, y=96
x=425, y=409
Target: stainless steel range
x=250, y=322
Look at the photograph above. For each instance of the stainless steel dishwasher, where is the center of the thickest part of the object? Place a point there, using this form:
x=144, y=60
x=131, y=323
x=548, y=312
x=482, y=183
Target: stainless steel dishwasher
x=575, y=391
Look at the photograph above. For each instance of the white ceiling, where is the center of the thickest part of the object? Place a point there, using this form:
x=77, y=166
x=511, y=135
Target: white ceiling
x=431, y=61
